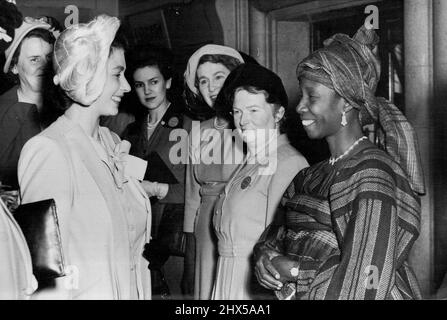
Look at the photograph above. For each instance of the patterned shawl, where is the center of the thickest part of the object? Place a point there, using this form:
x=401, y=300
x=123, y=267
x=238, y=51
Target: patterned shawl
x=350, y=67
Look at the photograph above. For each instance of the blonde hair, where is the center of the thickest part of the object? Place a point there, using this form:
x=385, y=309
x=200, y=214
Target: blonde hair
x=80, y=58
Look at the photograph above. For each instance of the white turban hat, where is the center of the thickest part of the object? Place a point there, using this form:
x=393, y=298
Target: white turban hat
x=80, y=58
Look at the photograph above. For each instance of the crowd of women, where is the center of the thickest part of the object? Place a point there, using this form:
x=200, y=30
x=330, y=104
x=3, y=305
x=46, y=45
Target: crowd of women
x=258, y=223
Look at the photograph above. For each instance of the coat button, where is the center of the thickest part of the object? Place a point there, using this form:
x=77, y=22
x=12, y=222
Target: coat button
x=245, y=183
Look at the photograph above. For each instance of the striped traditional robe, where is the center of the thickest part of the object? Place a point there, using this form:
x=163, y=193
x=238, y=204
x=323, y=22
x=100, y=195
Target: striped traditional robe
x=351, y=227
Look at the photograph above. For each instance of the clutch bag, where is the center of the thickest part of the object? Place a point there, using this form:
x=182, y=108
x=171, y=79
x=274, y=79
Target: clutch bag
x=39, y=224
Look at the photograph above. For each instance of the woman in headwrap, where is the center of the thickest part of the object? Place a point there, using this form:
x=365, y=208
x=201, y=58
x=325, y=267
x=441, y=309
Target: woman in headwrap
x=257, y=99
x=206, y=72
x=352, y=220
x=103, y=212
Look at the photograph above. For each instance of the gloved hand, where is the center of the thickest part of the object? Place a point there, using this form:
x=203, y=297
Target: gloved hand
x=156, y=254
x=155, y=189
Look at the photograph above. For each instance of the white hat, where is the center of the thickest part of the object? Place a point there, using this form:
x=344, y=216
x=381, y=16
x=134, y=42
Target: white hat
x=28, y=25
x=191, y=69
x=80, y=58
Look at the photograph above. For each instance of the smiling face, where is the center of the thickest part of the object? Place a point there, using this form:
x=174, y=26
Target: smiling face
x=35, y=54
x=211, y=77
x=116, y=84
x=253, y=115
x=320, y=109
x=151, y=86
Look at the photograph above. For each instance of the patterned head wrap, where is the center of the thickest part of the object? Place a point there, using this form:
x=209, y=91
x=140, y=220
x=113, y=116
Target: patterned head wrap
x=350, y=67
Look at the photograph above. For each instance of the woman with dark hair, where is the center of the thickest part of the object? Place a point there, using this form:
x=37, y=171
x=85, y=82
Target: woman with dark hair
x=352, y=220
x=27, y=59
x=165, y=179
x=257, y=99
x=103, y=212
x=206, y=72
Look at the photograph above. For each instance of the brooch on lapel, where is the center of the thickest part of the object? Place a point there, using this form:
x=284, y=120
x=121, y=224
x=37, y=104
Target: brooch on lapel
x=173, y=122
x=245, y=183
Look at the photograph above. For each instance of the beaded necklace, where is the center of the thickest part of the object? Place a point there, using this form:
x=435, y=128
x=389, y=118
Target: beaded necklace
x=333, y=160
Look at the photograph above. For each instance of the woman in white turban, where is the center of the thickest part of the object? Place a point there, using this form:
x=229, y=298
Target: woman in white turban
x=104, y=214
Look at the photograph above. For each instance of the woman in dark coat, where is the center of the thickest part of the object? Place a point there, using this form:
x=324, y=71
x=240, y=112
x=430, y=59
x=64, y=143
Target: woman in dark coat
x=165, y=177
x=30, y=45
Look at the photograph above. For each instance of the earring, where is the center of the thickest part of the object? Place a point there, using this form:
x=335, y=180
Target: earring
x=344, y=122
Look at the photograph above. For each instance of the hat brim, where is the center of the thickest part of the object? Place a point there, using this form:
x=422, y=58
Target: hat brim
x=9, y=53
x=191, y=68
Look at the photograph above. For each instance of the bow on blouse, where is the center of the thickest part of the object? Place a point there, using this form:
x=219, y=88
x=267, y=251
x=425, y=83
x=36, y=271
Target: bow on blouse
x=118, y=161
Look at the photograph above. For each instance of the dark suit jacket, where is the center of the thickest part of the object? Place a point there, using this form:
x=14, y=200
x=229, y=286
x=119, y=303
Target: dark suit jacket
x=19, y=122
x=156, y=151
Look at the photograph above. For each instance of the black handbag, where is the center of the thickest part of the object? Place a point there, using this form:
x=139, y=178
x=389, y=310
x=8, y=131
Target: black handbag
x=39, y=224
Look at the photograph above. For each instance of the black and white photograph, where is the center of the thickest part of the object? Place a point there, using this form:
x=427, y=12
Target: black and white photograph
x=238, y=151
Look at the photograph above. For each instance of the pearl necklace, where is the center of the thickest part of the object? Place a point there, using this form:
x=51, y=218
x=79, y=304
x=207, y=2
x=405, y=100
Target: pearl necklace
x=333, y=160
x=152, y=126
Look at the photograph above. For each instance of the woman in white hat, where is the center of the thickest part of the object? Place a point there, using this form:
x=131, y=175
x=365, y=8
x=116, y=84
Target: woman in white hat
x=104, y=214
x=205, y=75
x=27, y=57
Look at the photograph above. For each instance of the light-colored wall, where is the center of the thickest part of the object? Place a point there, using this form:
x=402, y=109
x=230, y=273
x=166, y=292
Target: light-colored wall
x=293, y=45
x=439, y=136
x=418, y=95
x=233, y=16
x=226, y=10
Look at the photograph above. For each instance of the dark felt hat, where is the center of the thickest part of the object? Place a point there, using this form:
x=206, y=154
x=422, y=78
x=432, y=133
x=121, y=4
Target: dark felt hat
x=252, y=75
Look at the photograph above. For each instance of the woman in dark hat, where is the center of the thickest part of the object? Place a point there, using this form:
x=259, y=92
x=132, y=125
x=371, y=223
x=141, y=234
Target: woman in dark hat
x=351, y=220
x=257, y=100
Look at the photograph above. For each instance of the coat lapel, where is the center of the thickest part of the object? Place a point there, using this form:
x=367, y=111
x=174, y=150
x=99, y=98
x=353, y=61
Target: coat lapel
x=245, y=170
x=155, y=137
x=95, y=166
